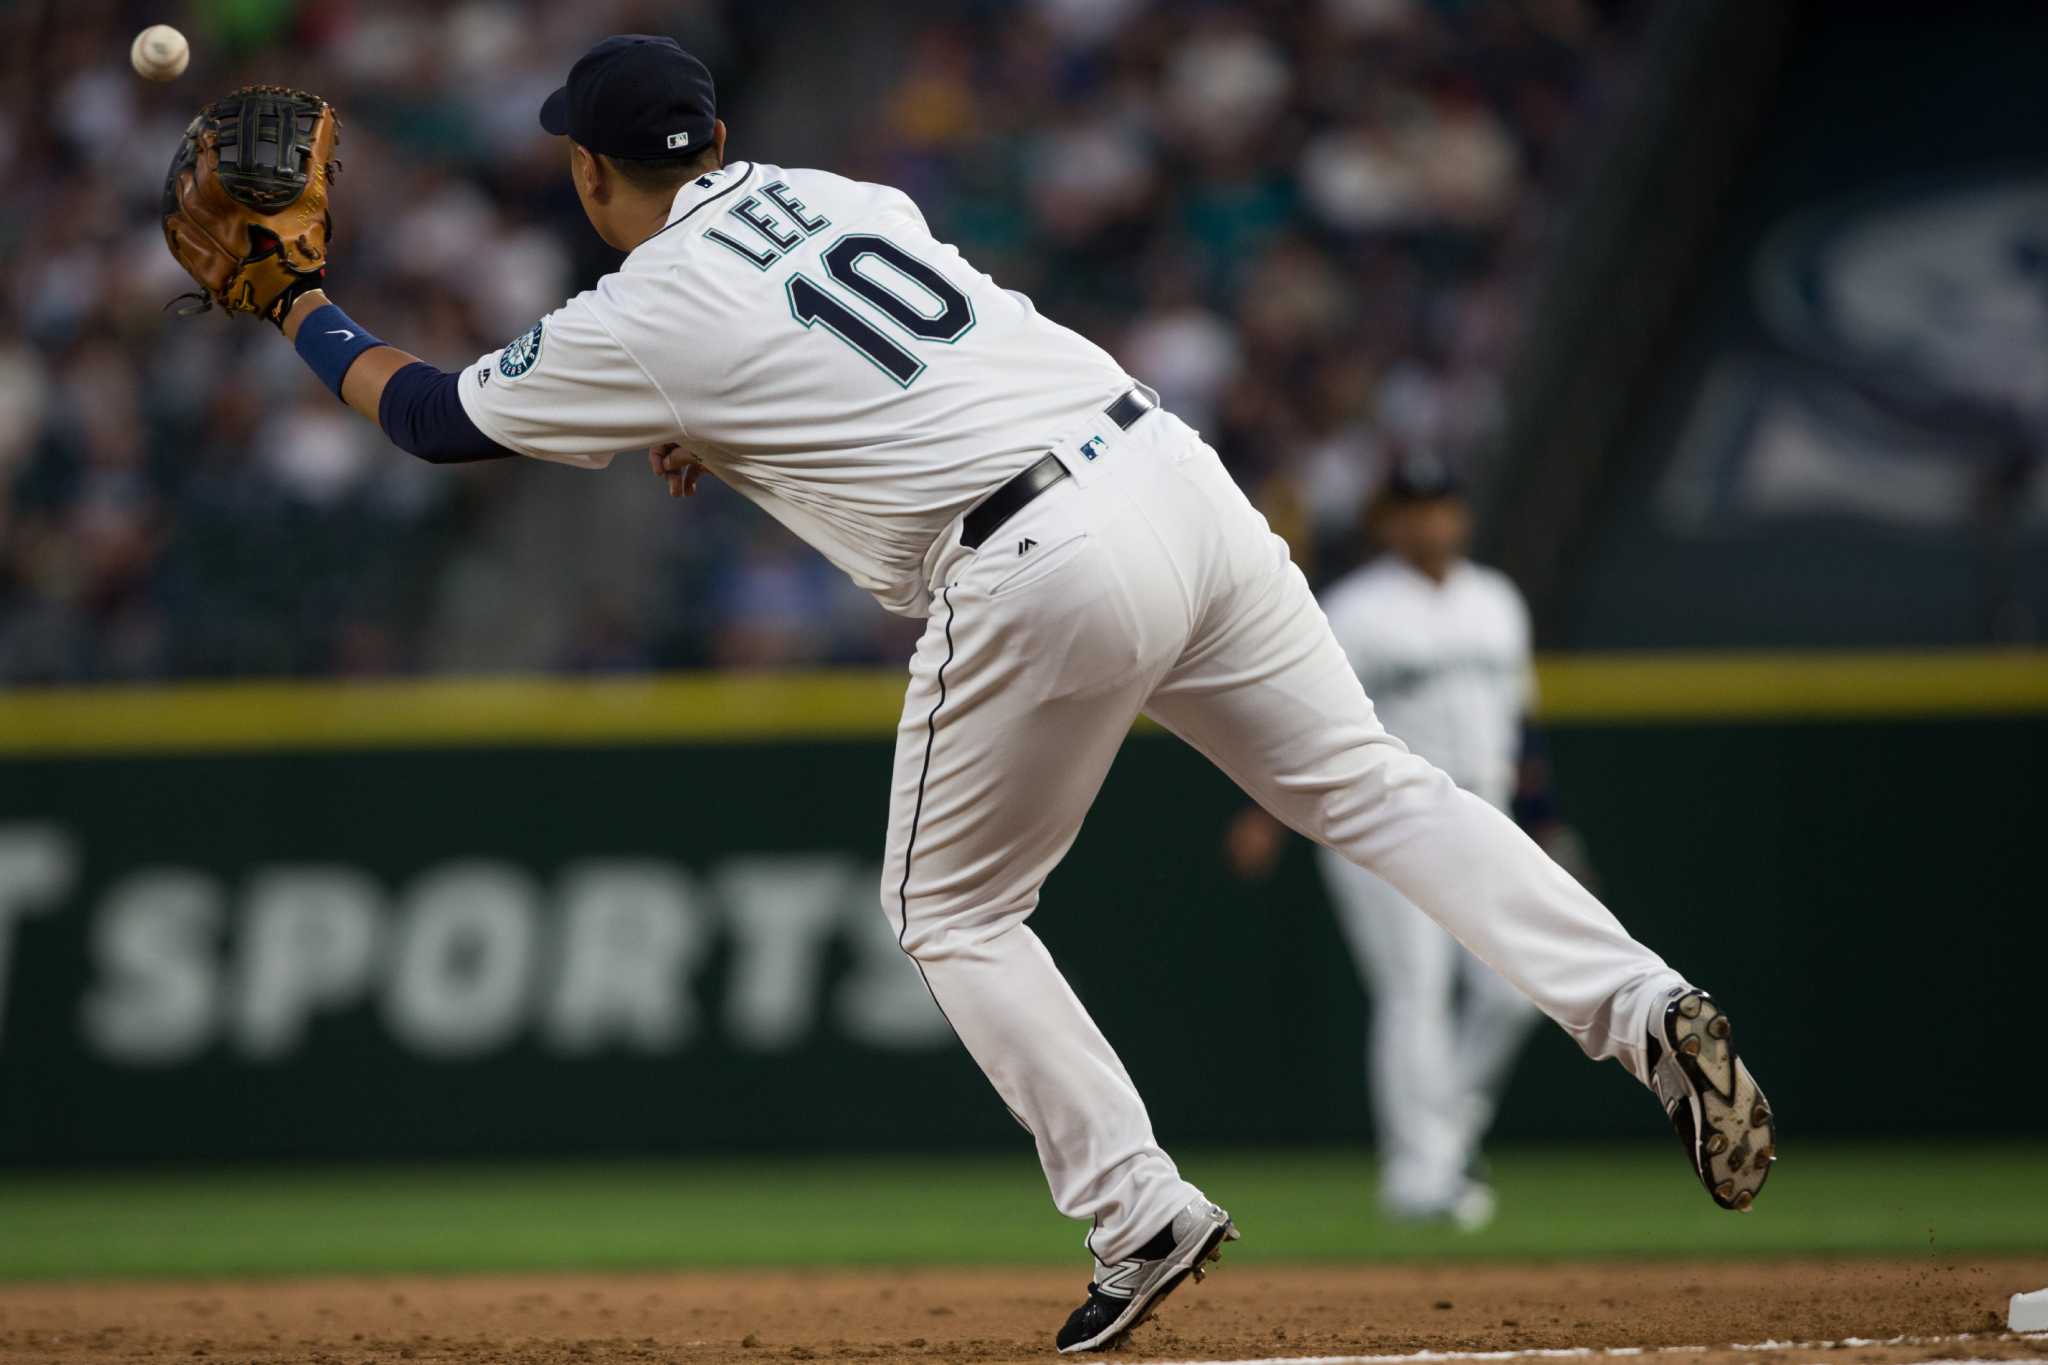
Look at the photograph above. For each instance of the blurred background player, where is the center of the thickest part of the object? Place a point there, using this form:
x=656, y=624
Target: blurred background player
x=1442, y=646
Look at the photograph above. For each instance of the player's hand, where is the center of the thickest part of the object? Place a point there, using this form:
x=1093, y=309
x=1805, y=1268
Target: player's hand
x=679, y=467
x=1253, y=843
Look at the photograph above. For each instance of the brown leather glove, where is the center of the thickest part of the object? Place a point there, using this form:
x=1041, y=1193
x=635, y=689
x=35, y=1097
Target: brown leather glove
x=246, y=201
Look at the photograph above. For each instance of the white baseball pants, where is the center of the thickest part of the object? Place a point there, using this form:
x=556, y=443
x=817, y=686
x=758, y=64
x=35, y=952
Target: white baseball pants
x=1444, y=1032
x=1147, y=583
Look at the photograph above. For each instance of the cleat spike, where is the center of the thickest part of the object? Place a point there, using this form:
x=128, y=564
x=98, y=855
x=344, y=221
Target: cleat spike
x=1716, y=1144
x=1199, y=1274
x=1759, y=1116
x=1717, y=1027
x=1725, y=1190
x=1743, y=1201
x=1691, y=1046
x=1690, y=1005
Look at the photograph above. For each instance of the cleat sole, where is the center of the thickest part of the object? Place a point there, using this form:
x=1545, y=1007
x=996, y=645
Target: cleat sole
x=1736, y=1132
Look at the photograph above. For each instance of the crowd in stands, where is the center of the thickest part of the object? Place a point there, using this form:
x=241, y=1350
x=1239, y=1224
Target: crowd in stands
x=1313, y=225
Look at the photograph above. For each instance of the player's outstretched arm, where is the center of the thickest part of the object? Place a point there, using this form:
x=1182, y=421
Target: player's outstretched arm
x=565, y=391
x=416, y=405
x=279, y=201
x=578, y=399
x=362, y=386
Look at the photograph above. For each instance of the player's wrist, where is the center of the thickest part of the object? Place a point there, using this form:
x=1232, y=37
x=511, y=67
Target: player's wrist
x=330, y=341
x=303, y=307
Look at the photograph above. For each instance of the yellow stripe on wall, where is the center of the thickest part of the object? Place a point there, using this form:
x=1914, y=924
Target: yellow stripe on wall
x=860, y=704
x=1602, y=688
x=472, y=712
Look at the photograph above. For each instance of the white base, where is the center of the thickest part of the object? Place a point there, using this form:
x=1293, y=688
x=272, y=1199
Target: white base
x=2029, y=1312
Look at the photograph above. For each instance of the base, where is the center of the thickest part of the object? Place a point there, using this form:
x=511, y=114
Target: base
x=2029, y=1312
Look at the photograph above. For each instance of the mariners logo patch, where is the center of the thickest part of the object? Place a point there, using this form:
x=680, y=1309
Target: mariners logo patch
x=521, y=354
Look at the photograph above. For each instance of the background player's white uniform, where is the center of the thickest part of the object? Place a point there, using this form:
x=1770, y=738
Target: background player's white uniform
x=808, y=338
x=1448, y=666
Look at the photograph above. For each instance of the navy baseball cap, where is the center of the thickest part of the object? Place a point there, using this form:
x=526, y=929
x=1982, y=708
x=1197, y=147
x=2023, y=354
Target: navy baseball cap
x=1421, y=478
x=637, y=97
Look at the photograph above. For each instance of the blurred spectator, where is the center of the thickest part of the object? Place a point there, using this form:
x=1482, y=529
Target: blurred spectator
x=1311, y=225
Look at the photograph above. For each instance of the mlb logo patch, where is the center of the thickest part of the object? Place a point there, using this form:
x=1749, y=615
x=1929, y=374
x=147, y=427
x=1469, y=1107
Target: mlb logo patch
x=1091, y=447
x=676, y=140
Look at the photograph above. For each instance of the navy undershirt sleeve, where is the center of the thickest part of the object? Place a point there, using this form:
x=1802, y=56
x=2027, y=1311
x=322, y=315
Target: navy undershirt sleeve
x=422, y=414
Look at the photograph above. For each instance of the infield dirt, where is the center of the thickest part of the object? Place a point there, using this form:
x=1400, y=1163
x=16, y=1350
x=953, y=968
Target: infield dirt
x=989, y=1316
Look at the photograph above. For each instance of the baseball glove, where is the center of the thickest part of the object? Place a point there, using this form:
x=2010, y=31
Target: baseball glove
x=246, y=201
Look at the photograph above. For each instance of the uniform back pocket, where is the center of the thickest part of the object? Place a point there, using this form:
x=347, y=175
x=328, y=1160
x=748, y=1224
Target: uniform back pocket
x=1032, y=560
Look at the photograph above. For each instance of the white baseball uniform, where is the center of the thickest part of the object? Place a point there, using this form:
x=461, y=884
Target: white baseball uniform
x=1448, y=666
x=822, y=353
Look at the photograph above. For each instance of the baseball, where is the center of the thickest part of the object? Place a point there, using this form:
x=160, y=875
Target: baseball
x=160, y=53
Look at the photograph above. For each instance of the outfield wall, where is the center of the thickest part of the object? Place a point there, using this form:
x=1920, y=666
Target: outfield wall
x=642, y=915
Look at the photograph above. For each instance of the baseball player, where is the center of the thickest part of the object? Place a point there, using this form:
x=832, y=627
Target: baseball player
x=1079, y=555
x=1442, y=647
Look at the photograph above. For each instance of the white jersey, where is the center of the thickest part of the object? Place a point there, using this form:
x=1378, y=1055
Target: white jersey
x=807, y=337
x=1447, y=665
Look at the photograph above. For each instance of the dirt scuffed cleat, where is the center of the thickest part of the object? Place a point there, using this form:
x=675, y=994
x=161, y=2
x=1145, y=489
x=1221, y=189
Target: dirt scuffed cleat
x=1123, y=1295
x=1714, y=1104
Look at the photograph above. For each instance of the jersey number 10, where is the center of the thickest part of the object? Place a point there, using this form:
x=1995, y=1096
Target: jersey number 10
x=934, y=310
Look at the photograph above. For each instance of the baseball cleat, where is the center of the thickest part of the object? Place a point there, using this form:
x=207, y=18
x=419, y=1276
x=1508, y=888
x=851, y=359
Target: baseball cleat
x=1123, y=1295
x=1714, y=1104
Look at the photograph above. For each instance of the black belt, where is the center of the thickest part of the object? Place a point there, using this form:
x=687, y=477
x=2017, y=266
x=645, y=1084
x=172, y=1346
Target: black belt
x=1015, y=495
